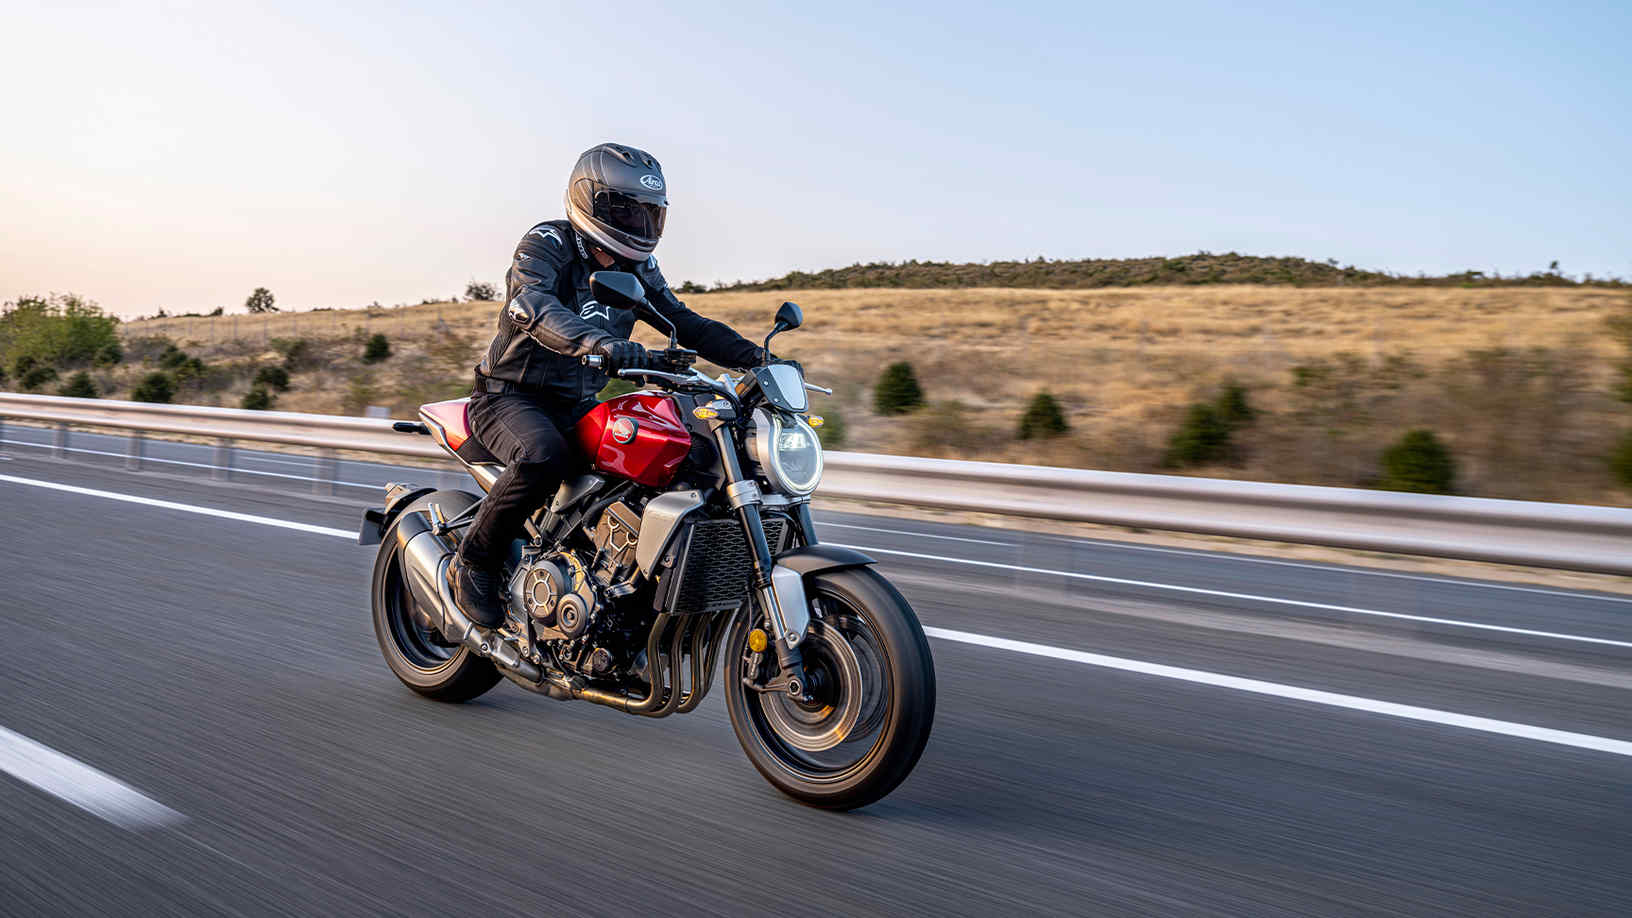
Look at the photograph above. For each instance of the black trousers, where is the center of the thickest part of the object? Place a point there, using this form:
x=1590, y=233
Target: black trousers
x=534, y=440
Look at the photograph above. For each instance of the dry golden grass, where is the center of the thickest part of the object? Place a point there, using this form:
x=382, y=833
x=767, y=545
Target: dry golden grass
x=1122, y=362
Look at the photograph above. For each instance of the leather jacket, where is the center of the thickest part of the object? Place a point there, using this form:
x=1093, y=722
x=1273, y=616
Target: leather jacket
x=550, y=320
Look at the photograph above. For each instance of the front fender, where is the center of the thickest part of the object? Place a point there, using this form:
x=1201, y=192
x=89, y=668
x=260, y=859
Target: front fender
x=813, y=559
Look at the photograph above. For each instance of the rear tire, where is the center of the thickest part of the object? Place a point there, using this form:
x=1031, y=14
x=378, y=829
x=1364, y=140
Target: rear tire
x=803, y=751
x=419, y=656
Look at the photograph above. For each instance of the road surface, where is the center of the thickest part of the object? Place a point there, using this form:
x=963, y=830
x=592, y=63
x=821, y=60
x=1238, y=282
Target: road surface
x=195, y=719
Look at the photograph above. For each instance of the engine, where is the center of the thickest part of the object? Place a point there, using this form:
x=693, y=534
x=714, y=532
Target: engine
x=564, y=596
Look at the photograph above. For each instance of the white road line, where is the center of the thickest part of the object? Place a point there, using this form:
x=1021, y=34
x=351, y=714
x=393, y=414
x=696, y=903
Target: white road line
x=1227, y=556
x=80, y=784
x=185, y=508
x=918, y=535
x=237, y=469
x=1224, y=594
x=1353, y=702
x=1315, y=696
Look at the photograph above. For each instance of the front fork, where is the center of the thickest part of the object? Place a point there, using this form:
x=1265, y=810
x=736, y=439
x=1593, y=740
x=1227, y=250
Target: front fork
x=788, y=629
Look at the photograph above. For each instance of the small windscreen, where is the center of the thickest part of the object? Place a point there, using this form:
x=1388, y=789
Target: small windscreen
x=783, y=386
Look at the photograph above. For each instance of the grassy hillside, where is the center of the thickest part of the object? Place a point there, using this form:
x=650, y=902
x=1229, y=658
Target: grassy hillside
x=1185, y=270
x=1520, y=382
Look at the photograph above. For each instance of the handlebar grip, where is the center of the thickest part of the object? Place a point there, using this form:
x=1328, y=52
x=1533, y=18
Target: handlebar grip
x=593, y=361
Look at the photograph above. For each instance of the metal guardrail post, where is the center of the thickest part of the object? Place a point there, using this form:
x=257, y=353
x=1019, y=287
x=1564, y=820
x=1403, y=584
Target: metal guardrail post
x=222, y=470
x=134, y=449
x=326, y=471
x=59, y=444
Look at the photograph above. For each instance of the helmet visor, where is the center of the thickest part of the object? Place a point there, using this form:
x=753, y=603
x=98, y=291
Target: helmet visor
x=628, y=214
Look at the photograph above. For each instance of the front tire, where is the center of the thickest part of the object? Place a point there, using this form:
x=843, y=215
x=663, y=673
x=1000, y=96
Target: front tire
x=409, y=640
x=874, y=682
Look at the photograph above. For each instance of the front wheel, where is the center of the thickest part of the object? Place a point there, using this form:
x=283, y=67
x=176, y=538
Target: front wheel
x=872, y=682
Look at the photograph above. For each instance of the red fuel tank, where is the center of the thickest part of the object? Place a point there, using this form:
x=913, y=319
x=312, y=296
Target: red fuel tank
x=639, y=436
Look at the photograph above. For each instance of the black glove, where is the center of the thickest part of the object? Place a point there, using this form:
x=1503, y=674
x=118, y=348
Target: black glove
x=623, y=354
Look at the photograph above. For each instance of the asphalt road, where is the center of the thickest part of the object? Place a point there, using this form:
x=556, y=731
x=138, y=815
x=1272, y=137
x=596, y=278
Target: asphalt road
x=194, y=719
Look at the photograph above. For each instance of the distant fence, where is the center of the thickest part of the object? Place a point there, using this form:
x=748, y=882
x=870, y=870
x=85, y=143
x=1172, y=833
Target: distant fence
x=1563, y=536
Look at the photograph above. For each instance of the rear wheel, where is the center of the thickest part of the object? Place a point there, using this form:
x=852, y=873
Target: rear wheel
x=872, y=687
x=408, y=635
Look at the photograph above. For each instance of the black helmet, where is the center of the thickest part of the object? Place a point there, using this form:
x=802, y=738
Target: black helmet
x=616, y=197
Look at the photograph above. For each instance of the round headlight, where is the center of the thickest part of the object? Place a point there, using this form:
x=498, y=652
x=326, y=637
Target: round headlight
x=787, y=451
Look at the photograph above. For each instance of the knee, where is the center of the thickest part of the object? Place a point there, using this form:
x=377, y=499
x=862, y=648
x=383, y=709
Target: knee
x=545, y=472
x=547, y=450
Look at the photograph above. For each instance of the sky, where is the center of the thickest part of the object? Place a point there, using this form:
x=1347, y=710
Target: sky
x=178, y=155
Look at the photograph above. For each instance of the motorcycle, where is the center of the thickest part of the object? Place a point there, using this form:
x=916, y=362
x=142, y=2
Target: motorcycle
x=688, y=539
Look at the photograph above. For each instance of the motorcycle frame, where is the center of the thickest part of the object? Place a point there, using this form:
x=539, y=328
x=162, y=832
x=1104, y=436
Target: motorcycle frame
x=777, y=589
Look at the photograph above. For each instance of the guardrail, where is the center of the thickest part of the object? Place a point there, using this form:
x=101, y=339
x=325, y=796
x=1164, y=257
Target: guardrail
x=1563, y=536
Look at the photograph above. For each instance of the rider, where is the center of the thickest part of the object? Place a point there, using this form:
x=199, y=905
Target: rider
x=532, y=386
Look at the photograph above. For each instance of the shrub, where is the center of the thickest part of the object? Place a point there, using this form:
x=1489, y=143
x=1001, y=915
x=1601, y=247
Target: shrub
x=377, y=349
x=1233, y=406
x=183, y=367
x=154, y=387
x=23, y=363
x=480, y=290
x=79, y=385
x=1620, y=462
x=258, y=399
x=297, y=352
x=62, y=329
x=171, y=357
x=832, y=431
x=110, y=354
x=272, y=378
x=35, y=377
x=3, y=376
x=615, y=388
x=260, y=300
x=897, y=391
x=1418, y=462
x=1203, y=437
x=1043, y=418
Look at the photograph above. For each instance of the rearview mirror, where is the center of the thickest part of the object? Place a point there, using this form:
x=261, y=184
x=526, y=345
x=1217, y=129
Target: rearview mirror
x=789, y=316
x=617, y=288
x=623, y=290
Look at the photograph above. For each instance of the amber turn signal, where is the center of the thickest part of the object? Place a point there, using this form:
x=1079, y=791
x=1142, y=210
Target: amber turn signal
x=702, y=413
x=815, y=420
x=757, y=641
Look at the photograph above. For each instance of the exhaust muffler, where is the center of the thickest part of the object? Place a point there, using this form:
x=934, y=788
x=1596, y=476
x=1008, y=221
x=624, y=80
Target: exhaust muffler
x=426, y=557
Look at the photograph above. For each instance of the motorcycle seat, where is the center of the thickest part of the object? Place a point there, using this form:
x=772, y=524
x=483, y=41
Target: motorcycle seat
x=453, y=417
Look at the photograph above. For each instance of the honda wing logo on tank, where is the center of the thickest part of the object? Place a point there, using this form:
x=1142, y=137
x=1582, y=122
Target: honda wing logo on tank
x=652, y=182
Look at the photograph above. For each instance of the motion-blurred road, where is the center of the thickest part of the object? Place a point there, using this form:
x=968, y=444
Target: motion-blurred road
x=195, y=719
